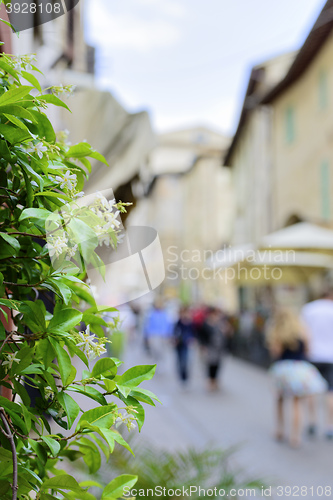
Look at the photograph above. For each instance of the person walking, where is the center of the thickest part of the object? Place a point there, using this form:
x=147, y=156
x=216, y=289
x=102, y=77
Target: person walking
x=318, y=317
x=294, y=376
x=183, y=335
x=213, y=343
x=157, y=331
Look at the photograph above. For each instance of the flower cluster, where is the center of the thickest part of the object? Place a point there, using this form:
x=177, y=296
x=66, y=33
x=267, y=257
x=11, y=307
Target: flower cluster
x=57, y=245
x=63, y=90
x=127, y=419
x=24, y=62
x=62, y=137
x=109, y=217
x=92, y=345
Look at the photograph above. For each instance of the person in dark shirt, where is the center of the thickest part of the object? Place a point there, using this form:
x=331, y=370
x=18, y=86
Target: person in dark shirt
x=183, y=335
x=214, y=331
x=294, y=376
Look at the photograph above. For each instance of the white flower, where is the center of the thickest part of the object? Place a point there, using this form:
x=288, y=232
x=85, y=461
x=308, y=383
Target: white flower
x=90, y=347
x=104, y=239
x=127, y=419
x=101, y=198
x=120, y=238
x=71, y=251
x=38, y=148
x=112, y=221
x=79, y=195
x=57, y=245
x=48, y=392
x=68, y=180
x=10, y=360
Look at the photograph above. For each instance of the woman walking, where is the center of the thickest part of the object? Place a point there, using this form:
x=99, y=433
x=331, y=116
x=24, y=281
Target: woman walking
x=294, y=376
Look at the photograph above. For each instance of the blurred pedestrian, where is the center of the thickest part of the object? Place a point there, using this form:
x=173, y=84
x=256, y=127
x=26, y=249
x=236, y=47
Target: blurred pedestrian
x=183, y=335
x=318, y=317
x=157, y=331
x=213, y=342
x=294, y=376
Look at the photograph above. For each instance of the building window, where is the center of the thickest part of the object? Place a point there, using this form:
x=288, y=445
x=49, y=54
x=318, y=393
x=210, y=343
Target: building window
x=325, y=190
x=323, y=90
x=290, y=124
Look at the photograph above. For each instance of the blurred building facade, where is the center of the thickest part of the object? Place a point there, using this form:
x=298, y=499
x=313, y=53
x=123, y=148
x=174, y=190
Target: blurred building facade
x=189, y=202
x=282, y=152
x=64, y=57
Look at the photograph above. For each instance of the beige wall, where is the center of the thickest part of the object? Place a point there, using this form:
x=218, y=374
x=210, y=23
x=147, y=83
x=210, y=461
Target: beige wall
x=251, y=179
x=191, y=207
x=297, y=166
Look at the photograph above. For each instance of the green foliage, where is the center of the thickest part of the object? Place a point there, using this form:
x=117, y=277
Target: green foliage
x=208, y=469
x=40, y=181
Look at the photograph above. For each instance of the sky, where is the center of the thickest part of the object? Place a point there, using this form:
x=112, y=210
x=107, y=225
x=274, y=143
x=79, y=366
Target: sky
x=188, y=61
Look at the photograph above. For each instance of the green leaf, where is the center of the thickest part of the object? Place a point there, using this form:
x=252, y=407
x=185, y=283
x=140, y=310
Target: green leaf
x=29, y=189
x=103, y=416
x=52, y=444
x=91, y=456
x=14, y=95
x=35, y=213
x=110, y=385
x=70, y=406
x=90, y=392
x=64, y=361
x=31, y=79
x=39, y=450
x=135, y=375
x=8, y=69
x=100, y=309
x=11, y=240
x=110, y=435
x=45, y=352
x=61, y=482
x=45, y=128
x=17, y=122
x=52, y=99
x=60, y=288
x=85, y=236
x=4, y=150
x=79, y=150
x=64, y=320
x=14, y=135
x=34, y=316
x=99, y=157
x=102, y=366
x=90, y=484
x=15, y=110
x=115, y=489
x=144, y=396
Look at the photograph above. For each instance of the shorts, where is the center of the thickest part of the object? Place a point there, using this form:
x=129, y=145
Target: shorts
x=326, y=371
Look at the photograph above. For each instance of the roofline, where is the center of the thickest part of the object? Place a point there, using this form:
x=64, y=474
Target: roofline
x=316, y=38
x=313, y=43
x=248, y=105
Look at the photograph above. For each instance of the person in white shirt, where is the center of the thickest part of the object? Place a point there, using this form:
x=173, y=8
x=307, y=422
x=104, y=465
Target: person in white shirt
x=318, y=317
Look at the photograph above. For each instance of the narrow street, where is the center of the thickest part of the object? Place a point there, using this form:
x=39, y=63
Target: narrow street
x=241, y=413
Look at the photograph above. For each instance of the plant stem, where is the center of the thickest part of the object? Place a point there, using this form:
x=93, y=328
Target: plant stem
x=7, y=433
